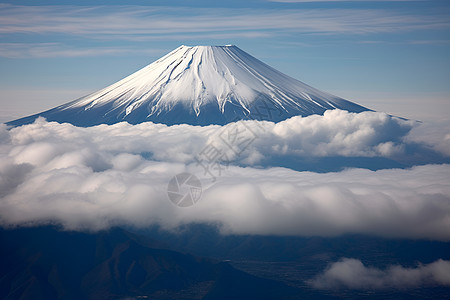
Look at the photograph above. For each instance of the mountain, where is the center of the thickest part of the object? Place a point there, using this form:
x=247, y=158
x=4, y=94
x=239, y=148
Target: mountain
x=45, y=263
x=199, y=85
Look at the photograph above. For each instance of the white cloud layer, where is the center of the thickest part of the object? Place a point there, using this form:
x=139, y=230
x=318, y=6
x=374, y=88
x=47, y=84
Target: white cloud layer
x=93, y=178
x=351, y=273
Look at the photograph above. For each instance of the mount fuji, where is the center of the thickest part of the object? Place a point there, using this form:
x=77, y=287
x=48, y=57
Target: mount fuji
x=199, y=85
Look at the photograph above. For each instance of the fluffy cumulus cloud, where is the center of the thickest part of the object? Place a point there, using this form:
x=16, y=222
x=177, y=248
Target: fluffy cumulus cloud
x=93, y=178
x=351, y=273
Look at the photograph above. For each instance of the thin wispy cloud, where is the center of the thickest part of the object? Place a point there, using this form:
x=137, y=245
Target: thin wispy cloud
x=430, y=42
x=51, y=50
x=138, y=24
x=134, y=20
x=314, y=1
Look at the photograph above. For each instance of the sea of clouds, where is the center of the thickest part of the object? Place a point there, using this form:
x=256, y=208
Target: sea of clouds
x=97, y=177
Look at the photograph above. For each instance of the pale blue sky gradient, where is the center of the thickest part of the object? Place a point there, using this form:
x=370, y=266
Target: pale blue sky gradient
x=392, y=56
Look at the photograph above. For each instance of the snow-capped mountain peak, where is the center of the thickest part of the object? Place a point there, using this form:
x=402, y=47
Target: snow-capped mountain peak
x=198, y=85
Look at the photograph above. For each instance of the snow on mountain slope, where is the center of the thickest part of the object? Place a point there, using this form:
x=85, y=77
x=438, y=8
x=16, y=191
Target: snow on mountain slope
x=199, y=85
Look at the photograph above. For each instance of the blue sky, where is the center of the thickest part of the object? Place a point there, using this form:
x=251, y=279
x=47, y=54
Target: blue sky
x=392, y=56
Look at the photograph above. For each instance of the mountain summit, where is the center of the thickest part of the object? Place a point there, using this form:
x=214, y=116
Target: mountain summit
x=199, y=85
